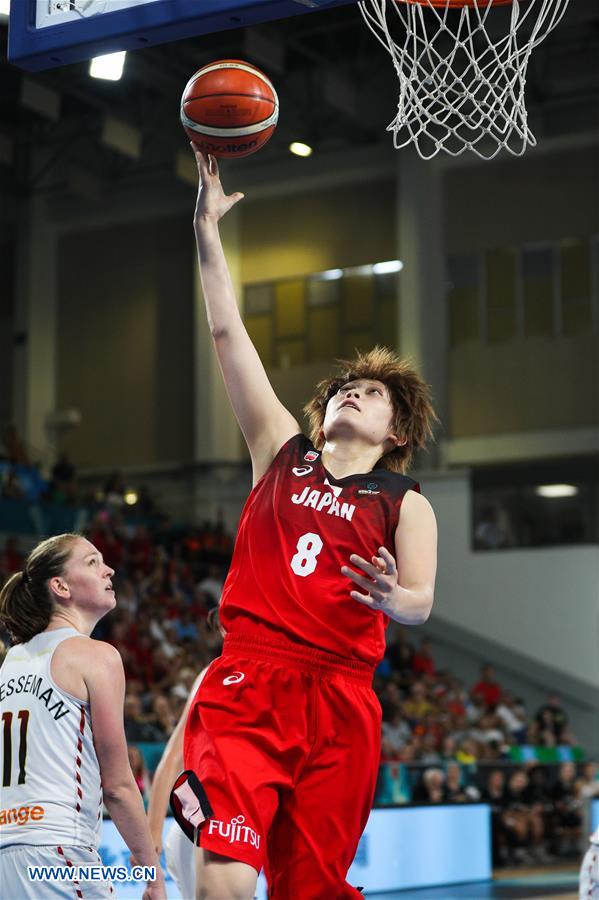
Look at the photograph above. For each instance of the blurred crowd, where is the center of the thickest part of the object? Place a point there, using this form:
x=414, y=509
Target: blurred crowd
x=442, y=742
x=430, y=716
x=538, y=812
x=21, y=479
x=445, y=743
x=168, y=579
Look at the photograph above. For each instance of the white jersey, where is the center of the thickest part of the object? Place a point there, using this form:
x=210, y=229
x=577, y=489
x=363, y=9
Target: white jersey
x=588, y=882
x=51, y=791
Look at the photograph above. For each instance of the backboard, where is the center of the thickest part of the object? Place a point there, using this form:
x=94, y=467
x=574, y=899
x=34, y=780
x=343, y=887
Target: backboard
x=48, y=33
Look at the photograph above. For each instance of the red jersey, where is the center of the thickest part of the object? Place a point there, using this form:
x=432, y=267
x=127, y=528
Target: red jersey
x=423, y=665
x=490, y=691
x=298, y=527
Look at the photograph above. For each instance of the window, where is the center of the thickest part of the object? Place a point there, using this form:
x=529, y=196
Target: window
x=576, y=287
x=535, y=504
x=323, y=315
x=290, y=309
x=260, y=332
x=513, y=293
x=500, y=295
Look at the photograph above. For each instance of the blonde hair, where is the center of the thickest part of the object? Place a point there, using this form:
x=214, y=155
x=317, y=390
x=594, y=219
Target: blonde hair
x=413, y=413
x=26, y=604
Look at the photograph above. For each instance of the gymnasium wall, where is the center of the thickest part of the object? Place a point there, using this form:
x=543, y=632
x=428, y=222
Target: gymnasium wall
x=504, y=203
x=8, y=219
x=538, y=197
x=306, y=231
x=524, y=383
x=124, y=345
x=317, y=230
x=6, y=325
x=299, y=391
x=542, y=603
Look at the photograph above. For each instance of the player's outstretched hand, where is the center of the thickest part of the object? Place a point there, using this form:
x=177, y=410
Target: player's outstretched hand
x=379, y=580
x=212, y=202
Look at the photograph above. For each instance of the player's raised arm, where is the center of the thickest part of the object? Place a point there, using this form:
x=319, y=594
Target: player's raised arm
x=265, y=422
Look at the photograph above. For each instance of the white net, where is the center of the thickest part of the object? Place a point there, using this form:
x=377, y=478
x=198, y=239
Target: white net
x=462, y=72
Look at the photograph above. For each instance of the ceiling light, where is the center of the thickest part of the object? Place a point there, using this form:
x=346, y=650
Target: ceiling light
x=330, y=274
x=385, y=268
x=4, y=8
x=300, y=149
x=556, y=490
x=360, y=270
x=109, y=66
x=130, y=498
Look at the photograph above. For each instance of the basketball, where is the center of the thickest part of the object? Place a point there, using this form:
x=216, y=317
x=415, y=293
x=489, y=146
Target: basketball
x=229, y=108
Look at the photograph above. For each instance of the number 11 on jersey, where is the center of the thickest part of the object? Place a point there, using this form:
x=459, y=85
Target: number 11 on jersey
x=23, y=717
x=308, y=547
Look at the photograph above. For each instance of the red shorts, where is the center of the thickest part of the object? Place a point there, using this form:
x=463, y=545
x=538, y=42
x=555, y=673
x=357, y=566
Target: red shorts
x=282, y=748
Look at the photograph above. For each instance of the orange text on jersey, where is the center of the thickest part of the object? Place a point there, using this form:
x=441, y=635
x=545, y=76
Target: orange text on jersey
x=21, y=815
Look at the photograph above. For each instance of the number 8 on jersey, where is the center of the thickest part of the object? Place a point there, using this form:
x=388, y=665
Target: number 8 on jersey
x=308, y=547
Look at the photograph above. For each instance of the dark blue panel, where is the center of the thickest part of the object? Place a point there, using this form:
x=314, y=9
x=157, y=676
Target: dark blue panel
x=141, y=26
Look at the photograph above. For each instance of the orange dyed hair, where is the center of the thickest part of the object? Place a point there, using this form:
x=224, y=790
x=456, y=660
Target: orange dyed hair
x=414, y=416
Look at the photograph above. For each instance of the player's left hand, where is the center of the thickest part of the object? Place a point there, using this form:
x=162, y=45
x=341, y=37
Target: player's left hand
x=379, y=580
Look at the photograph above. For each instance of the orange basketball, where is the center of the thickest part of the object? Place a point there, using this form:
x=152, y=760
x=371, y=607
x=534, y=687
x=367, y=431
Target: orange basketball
x=229, y=108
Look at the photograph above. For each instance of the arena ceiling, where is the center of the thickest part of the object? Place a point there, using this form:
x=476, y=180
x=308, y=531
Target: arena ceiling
x=336, y=85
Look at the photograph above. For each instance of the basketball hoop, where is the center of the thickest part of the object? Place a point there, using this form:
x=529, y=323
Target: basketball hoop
x=462, y=70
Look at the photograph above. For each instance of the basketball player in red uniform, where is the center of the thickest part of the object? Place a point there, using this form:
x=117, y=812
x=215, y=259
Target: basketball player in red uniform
x=282, y=739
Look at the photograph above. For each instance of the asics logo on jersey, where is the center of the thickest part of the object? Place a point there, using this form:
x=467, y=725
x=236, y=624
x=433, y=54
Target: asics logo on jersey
x=235, y=678
x=21, y=815
x=235, y=831
x=302, y=470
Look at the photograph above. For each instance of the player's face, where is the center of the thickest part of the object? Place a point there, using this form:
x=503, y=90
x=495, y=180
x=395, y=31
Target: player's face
x=360, y=409
x=88, y=578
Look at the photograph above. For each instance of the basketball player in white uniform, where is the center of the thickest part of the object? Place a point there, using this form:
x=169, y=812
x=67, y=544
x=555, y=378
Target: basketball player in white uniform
x=178, y=849
x=589, y=870
x=63, y=747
